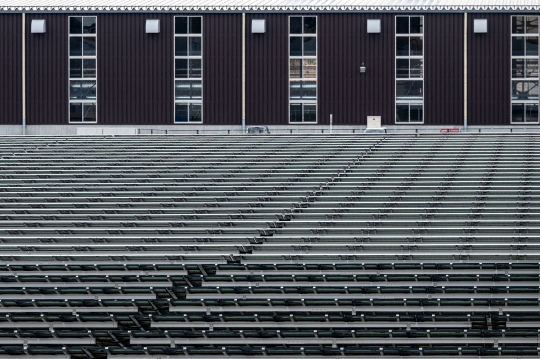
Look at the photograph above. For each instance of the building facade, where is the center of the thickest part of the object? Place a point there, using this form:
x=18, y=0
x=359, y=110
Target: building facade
x=421, y=65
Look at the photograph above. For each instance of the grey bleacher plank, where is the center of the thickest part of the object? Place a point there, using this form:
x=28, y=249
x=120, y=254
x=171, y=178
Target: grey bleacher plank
x=313, y=325
x=330, y=341
x=55, y=325
x=100, y=309
x=354, y=309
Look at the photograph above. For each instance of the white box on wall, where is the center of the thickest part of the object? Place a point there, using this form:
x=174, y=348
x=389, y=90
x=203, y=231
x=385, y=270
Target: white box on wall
x=38, y=26
x=373, y=122
x=258, y=26
x=152, y=26
x=374, y=26
x=480, y=26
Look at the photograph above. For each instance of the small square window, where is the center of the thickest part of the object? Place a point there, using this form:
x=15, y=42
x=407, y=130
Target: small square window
x=480, y=26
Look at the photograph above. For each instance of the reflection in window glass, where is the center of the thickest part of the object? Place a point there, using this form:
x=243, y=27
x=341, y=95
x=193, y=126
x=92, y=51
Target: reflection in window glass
x=180, y=46
x=89, y=68
x=518, y=67
x=532, y=68
x=416, y=46
x=417, y=68
x=195, y=25
x=409, y=69
x=75, y=112
x=75, y=46
x=408, y=90
x=518, y=46
x=310, y=68
x=402, y=68
x=532, y=24
x=302, y=65
x=75, y=25
x=402, y=25
x=89, y=112
x=188, y=65
x=310, y=25
x=416, y=24
x=295, y=112
x=295, y=69
x=194, y=46
x=524, y=90
x=89, y=25
x=295, y=48
x=310, y=46
x=82, y=69
x=310, y=113
x=181, y=25
x=531, y=46
x=181, y=68
x=75, y=68
x=525, y=81
x=186, y=90
x=402, y=46
x=402, y=113
x=295, y=25
x=517, y=25
x=89, y=46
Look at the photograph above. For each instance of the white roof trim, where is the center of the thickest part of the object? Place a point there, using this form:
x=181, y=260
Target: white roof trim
x=267, y=5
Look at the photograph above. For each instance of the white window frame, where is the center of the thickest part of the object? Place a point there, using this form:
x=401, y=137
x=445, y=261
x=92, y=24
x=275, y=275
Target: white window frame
x=191, y=101
x=302, y=79
x=525, y=78
x=82, y=57
x=409, y=57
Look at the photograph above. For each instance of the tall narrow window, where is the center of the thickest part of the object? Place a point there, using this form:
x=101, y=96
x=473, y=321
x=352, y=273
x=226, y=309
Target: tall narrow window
x=188, y=69
x=303, y=69
x=524, y=91
x=82, y=69
x=409, y=69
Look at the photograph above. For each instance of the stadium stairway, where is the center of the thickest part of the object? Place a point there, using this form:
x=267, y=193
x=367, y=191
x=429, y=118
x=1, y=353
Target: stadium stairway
x=282, y=246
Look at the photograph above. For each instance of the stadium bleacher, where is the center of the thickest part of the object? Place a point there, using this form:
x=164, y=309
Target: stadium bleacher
x=343, y=246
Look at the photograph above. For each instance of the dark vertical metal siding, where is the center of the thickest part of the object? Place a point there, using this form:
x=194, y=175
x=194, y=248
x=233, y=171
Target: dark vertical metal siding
x=267, y=71
x=222, y=72
x=443, y=64
x=489, y=71
x=135, y=70
x=10, y=69
x=47, y=71
x=344, y=92
x=222, y=69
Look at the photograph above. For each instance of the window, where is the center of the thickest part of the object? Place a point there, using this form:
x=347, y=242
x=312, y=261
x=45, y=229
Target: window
x=409, y=69
x=82, y=69
x=303, y=69
x=524, y=91
x=188, y=69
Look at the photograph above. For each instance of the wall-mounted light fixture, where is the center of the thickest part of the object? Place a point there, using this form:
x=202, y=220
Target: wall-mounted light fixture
x=38, y=26
x=480, y=26
x=362, y=68
x=152, y=26
x=374, y=26
x=258, y=26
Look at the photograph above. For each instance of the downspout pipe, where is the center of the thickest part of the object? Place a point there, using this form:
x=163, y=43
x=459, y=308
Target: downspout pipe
x=465, y=72
x=23, y=74
x=243, y=72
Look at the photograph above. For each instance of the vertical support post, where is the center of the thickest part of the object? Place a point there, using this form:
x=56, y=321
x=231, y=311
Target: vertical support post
x=465, y=64
x=243, y=72
x=23, y=74
x=331, y=120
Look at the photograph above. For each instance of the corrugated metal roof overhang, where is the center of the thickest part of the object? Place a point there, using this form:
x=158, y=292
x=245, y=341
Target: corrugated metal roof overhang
x=270, y=6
